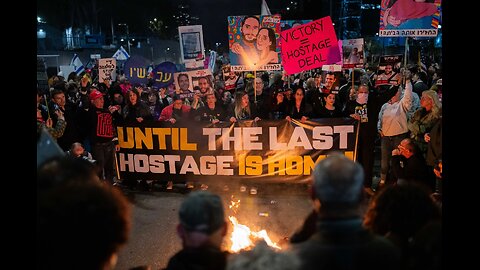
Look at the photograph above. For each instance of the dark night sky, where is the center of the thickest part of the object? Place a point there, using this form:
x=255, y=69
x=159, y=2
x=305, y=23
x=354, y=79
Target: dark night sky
x=136, y=13
x=212, y=13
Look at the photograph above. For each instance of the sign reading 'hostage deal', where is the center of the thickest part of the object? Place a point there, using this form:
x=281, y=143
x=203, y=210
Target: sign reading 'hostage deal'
x=309, y=46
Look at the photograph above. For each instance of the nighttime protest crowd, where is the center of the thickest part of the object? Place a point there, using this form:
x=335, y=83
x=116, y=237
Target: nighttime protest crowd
x=363, y=216
x=398, y=230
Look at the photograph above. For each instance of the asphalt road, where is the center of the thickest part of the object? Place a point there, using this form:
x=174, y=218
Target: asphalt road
x=280, y=209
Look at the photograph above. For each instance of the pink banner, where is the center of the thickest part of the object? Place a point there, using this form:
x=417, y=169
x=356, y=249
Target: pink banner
x=309, y=46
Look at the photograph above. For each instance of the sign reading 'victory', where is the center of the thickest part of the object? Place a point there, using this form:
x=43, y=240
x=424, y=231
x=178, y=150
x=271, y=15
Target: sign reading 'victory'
x=309, y=46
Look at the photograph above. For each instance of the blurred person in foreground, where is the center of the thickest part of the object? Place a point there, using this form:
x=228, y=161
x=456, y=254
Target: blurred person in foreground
x=340, y=241
x=202, y=228
x=81, y=223
x=404, y=214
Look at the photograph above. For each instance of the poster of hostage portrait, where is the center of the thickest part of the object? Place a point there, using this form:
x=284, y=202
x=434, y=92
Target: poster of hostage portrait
x=183, y=82
x=330, y=81
x=254, y=42
x=410, y=18
x=389, y=70
x=187, y=80
x=352, y=50
x=192, y=48
x=204, y=81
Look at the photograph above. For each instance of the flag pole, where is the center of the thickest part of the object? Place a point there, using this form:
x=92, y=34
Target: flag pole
x=255, y=85
x=356, y=141
x=116, y=166
x=46, y=105
x=405, y=58
x=353, y=77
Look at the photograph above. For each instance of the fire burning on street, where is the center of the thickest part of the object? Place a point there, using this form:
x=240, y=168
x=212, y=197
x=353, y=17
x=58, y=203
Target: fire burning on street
x=242, y=236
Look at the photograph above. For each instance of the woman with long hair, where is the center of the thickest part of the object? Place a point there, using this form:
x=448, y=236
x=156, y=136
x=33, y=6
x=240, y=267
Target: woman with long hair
x=242, y=109
x=266, y=45
x=136, y=110
x=299, y=109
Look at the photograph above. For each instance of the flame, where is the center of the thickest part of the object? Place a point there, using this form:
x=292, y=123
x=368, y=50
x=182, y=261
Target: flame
x=242, y=236
x=234, y=205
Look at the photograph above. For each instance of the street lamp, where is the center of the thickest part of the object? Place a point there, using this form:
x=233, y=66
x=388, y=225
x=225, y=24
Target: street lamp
x=128, y=35
x=166, y=50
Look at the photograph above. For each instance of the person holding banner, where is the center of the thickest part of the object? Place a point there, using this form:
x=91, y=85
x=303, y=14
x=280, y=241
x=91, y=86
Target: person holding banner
x=299, y=109
x=315, y=98
x=176, y=111
x=330, y=110
x=211, y=112
x=136, y=110
x=280, y=106
x=242, y=109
